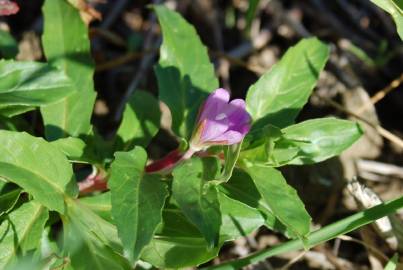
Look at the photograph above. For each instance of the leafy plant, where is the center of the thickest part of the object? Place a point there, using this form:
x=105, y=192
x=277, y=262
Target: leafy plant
x=222, y=183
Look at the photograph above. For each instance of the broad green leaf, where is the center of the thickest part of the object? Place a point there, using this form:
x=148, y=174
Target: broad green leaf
x=198, y=201
x=38, y=167
x=395, y=9
x=238, y=219
x=282, y=199
x=140, y=123
x=241, y=188
x=184, y=72
x=177, y=244
x=8, y=200
x=318, y=139
x=8, y=45
x=90, y=241
x=100, y=204
x=392, y=263
x=32, y=83
x=21, y=231
x=76, y=150
x=278, y=96
x=66, y=46
x=137, y=200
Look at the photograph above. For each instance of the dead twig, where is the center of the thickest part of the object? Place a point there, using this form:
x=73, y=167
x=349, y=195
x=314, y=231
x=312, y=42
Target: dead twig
x=380, y=168
x=124, y=59
x=108, y=35
x=293, y=261
x=382, y=93
x=146, y=61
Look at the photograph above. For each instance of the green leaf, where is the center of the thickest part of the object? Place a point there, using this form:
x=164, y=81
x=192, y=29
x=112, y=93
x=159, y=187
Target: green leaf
x=90, y=241
x=38, y=167
x=278, y=96
x=399, y=5
x=197, y=200
x=259, y=147
x=318, y=139
x=238, y=219
x=395, y=9
x=32, y=83
x=241, y=188
x=8, y=45
x=21, y=231
x=66, y=46
x=231, y=154
x=13, y=110
x=76, y=150
x=8, y=200
x=184, y=72
x=140, y=123
x=177, y=244
x=324, y=234
x=137, y=200
x=282, y=199
x=100, y=204
x=392, y=263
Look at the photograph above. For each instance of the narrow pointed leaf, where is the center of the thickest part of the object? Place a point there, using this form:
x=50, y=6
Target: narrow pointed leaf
x=66, y=46
x=278, y=96
x=38, y=167
x=184, y=72
x=137, y=200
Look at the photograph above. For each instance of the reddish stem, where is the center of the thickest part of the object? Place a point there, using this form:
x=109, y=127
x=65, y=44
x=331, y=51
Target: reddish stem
x=166, y=163
x=98, y=181
x=94, y=182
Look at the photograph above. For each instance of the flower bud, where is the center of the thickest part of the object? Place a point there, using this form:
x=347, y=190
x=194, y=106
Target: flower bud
x=220, y=122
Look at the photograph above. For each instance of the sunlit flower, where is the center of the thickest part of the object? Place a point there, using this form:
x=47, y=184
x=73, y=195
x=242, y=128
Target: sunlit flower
x=220, y=122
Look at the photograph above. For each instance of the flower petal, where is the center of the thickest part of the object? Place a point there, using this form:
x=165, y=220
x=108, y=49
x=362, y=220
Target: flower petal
x=213, y=128
x=215, y=102
x=228, y=137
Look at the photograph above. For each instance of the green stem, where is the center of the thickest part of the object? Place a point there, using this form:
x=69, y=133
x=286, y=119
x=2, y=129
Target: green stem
x=328, y=232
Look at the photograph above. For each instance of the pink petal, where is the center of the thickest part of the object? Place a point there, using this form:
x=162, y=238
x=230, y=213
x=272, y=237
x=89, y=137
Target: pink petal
x=213, y=128
x=229, y=137
x=214, y=103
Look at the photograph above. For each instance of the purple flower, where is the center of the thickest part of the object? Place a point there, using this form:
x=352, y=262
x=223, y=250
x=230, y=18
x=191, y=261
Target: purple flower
x=220, y=122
